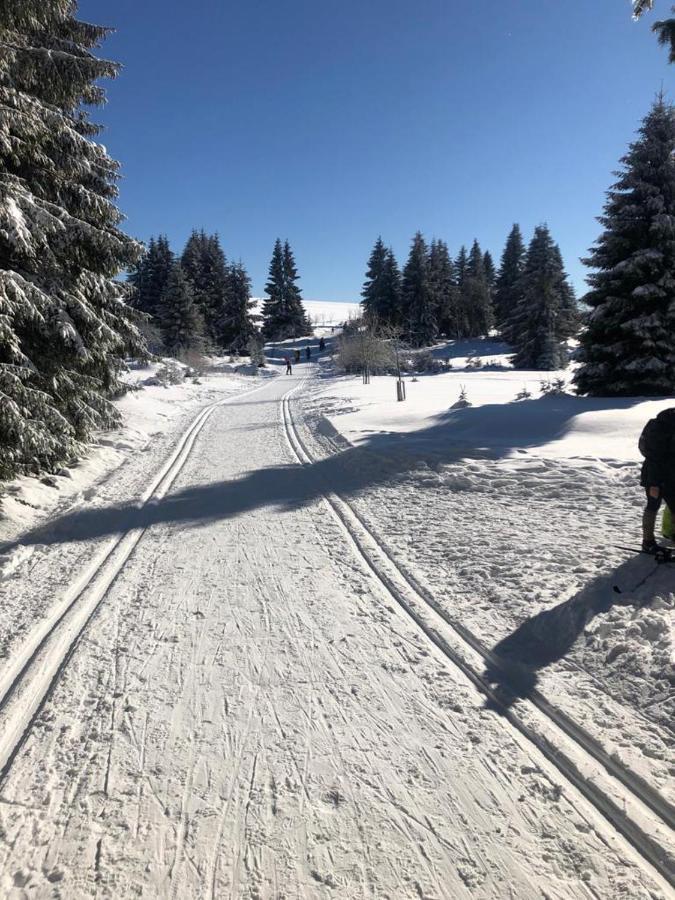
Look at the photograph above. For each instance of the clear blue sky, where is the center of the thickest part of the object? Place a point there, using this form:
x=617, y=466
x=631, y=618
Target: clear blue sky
x=332, y=121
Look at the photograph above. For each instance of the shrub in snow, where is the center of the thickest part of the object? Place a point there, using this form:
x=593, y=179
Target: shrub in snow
x=170, y=372
x=463, y=401
x=255, y=350
x=474, y=363
x=64, y=324
x=524, y=394
x=552, y=387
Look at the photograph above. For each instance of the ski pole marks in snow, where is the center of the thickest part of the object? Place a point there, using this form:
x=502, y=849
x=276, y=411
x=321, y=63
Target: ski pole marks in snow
x=249, y=716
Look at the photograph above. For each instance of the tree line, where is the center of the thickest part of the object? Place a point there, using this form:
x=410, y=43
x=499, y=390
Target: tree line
x=199, y=301
x=528, y=299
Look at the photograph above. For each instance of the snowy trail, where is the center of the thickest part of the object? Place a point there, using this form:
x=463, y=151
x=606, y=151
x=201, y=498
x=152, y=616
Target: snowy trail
x=249, y=714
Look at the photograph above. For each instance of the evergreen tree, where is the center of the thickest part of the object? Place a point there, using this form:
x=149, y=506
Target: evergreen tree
x=665, y=29
x=235, y=326
x=444, y=292
x=180, y=318
x=507, y=296
x=461, y=264
x=382, y=289
x=283, y=313
x=475, y=294
x=419, y=318
x=628, y=348
x=204, y=264
x=299, y=321
x=273, y=306
x=149, y=277
x=64, y=324
x=542, y=324
x=490, y=272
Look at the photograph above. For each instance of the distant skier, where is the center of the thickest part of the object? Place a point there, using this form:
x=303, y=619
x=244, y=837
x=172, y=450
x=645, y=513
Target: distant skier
x=308, y=352
x=289, y=367
x=322, y=344
x=297, y=355
x=657, y=445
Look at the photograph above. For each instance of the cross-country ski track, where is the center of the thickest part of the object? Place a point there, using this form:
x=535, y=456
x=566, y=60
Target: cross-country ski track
x=243, y=695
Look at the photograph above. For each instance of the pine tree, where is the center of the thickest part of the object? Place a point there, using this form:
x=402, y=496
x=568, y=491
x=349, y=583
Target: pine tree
x=507, y=296
x=64, y=324
x=490, y=272
x=460, y=266
x=391, y=290
x=444, y=291
x=628, y=348
x=419, y=318
x=475, y=294
x=149, y=277
x=382, y=288
x=542, y=322
x=205, y=265
x=299, y=321
x=273, y=306
x=235, y=326
x=283, y=313
x=180, y=317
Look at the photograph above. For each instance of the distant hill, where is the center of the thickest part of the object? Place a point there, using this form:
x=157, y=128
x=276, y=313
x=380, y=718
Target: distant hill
x=328, y=312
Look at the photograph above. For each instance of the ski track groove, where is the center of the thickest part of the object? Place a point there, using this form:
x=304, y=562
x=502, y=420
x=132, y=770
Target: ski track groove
x=655, y=854
x=37, y=668
x=9, y=686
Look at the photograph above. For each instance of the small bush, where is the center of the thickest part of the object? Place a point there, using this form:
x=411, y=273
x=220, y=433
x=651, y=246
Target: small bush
x=170, y=373
x=552, y=387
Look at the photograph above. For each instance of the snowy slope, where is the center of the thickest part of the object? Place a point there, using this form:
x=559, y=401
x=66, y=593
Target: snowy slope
x=327, y=313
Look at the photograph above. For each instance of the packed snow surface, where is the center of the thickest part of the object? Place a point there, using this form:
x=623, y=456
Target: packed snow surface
x=249, y=713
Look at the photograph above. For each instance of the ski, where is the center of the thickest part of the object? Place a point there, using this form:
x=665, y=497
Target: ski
x=661, y=555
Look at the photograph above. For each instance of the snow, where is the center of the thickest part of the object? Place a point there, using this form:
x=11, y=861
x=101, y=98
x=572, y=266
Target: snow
x=152, y=413
x=326, y=314
x=509, y=513
x=227, y=660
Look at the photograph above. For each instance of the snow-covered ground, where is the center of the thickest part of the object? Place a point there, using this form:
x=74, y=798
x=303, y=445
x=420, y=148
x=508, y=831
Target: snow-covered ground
x=509, y=512
x=236, y=654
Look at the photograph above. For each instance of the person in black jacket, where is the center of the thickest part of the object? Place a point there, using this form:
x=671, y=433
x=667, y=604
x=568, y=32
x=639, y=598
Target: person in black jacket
x=657, y=445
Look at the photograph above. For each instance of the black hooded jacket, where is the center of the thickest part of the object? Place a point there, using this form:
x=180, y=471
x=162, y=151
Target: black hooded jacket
x=657, y=445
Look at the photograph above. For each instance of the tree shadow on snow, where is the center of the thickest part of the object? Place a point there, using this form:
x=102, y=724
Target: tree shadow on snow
x=488, y=432
x=548, y=636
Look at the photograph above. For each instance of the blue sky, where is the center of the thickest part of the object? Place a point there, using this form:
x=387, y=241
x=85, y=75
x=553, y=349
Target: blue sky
x=330, y=122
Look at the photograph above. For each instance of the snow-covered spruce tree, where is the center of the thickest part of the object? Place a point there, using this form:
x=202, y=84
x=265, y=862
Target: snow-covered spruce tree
x=490, y=271
x=180, y=317
x=298, y=317
x=274, y=320
x=419, y=316
x=507, y=296
x=382, y=288
x=444, y=292
x=475, y=294
x=283, y=313
x=628, y=348
x=542, y=322
x=150, y=275
x=205, y=266
x=235, y=327
x=64, y=323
